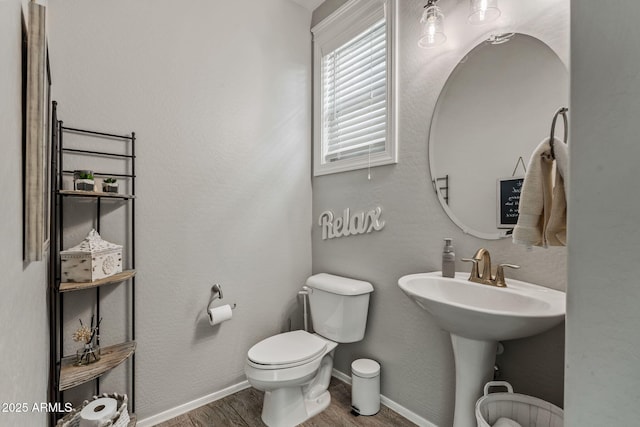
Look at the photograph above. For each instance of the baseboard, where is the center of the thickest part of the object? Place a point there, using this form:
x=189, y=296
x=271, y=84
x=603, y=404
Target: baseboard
x=190, y=406
x=396, y=407
x=341, y=376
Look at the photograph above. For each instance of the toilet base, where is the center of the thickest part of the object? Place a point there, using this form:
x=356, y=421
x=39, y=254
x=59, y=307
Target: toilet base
x=295, y=394
x=287, y=407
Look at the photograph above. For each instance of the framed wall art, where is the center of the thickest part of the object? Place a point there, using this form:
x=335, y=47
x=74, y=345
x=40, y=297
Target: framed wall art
x=37, y=138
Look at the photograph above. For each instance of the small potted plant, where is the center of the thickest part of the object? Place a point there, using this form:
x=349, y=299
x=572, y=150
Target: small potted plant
x=110, y=185
x=90, y=352
x=83, y=180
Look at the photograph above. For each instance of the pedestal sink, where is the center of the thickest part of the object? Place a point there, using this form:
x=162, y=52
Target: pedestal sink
x=478, y=316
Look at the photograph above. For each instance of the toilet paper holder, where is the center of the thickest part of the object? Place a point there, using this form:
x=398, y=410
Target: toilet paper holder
x=216, y=293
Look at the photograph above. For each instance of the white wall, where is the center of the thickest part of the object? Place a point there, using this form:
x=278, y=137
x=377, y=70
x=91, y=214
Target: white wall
x=603, y=338
x=416, y=356
x=24, y=334
x=218, y=94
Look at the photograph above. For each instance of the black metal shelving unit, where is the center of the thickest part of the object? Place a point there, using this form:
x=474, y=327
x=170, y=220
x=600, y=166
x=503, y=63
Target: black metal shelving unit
x=63, y=374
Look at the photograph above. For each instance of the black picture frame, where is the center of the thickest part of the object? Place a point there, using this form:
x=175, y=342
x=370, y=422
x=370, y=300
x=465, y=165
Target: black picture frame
x=508, y=197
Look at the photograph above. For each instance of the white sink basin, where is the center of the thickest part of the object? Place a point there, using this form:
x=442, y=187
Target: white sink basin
x=484, y=312
x=477, y=316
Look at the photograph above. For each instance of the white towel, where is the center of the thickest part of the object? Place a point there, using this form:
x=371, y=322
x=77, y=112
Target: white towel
x=555, y=231
x=561, y=150
x=506, y=422
x=535, y=198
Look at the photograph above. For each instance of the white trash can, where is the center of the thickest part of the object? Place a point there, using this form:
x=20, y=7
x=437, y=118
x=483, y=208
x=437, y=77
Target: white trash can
x=365, y=386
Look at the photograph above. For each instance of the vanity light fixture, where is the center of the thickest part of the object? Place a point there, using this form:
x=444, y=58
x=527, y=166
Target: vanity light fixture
x=432, y=23
x=483, y=11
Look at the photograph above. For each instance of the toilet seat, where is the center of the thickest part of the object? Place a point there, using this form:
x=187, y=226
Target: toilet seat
x=286, y=350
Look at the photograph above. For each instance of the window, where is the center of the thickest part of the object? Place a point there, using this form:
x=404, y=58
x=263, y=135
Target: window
x=354, y=90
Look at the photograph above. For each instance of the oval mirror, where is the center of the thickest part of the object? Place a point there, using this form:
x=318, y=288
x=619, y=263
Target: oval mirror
x=495, y=108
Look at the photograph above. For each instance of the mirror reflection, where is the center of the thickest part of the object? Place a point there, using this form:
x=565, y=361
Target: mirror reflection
x=496, y=107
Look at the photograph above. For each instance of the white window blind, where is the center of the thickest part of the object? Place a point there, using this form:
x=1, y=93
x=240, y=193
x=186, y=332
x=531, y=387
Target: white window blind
x=354, y=85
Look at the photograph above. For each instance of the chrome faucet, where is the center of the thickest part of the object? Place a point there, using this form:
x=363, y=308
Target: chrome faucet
x=486, y=278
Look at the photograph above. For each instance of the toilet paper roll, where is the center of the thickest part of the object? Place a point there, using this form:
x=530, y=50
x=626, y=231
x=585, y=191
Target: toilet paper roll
x=98, y=412
x=220, y=314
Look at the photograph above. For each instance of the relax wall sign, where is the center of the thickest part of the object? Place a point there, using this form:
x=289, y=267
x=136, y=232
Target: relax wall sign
x=350, y=225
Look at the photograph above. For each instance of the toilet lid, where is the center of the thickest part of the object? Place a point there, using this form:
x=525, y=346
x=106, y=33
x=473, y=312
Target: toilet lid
x=287, y=348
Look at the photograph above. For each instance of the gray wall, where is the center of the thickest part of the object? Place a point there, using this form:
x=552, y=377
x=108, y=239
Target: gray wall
x=603, y=338
x=325, y=9
x=416, y=356
x=24, y=336
x=220, y=101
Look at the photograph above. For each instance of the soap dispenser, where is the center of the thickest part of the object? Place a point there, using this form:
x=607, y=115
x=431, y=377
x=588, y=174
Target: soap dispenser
x=448, y=259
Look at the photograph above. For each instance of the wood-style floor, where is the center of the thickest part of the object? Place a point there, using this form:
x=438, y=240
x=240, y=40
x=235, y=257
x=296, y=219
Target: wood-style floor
x=244, y=408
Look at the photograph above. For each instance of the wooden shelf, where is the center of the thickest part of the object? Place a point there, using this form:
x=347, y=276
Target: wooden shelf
x=78, y=193
x=112, y=356
x=133, y=418
x=116, y=278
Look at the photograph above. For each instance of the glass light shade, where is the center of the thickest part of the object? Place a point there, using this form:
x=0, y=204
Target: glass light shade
x=483, y=11
x=432, y=27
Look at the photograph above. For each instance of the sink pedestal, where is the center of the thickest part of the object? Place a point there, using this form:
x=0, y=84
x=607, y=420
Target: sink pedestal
x=474, y=361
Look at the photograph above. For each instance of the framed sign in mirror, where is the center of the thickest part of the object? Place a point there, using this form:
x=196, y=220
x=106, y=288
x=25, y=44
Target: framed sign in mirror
x=36, y=135
x=508, y=199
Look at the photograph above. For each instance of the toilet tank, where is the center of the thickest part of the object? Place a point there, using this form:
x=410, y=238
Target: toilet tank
x=339, y=307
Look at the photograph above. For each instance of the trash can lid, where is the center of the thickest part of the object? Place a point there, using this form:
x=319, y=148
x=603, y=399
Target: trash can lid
x=365, y=368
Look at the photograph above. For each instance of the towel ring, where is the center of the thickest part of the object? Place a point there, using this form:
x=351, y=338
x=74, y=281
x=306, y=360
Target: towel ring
x=562, y=111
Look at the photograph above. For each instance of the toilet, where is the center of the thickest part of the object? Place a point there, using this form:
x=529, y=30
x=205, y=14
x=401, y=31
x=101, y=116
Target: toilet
x=294, y=368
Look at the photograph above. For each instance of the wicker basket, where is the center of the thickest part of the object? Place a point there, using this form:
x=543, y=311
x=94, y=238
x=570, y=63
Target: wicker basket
x=526, y=410
x=120, y=419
